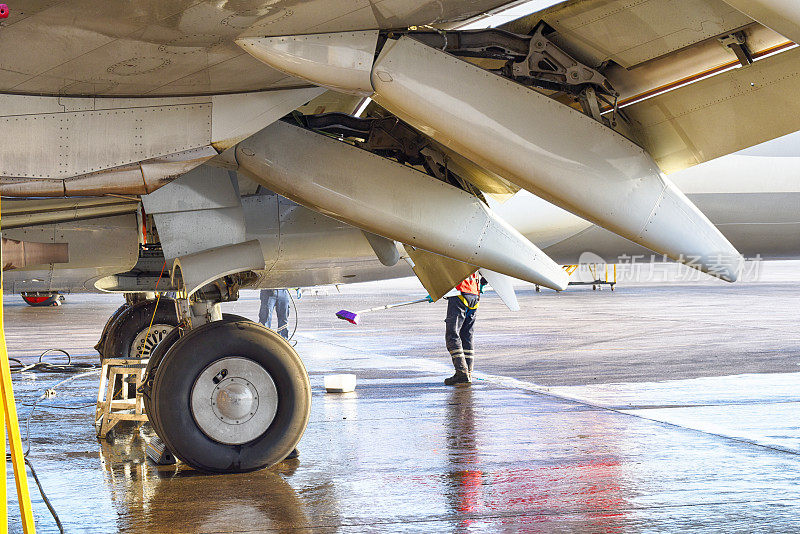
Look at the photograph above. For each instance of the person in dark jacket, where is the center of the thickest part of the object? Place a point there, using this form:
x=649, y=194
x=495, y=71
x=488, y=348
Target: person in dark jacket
x=459, y=328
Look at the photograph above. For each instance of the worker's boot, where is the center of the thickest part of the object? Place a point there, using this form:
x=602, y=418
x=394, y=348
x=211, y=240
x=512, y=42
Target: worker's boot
x=462, y=370
x=470, y=361
x=459, y=378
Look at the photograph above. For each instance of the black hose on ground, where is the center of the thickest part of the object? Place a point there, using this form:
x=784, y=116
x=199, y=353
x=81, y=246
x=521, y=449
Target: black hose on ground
x=46, y=367
x=44, y=496
x=84, y=369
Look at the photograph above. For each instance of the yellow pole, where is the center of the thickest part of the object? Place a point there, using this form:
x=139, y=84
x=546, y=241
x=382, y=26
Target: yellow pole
x=4, y=475
x=12, y=425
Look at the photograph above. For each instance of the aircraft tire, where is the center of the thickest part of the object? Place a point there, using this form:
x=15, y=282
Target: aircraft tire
x=107, y=328
x=223, y=360
x=128, y=336
x=149, y=376
x=157, y=355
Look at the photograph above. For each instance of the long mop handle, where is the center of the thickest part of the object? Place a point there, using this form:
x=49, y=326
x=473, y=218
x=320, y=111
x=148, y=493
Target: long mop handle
x=388, y=306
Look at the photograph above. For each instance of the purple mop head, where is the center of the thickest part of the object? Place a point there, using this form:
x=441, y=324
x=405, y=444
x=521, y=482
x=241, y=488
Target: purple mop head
x=350, y=317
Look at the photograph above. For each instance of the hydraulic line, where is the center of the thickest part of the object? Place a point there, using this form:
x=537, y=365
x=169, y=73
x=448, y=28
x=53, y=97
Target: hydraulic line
x=296, y=320
x=155, y=310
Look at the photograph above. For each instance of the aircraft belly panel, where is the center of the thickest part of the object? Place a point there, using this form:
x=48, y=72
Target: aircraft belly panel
x=262, y=222
x=167, y=47
x=302, y=247
x=335, y=272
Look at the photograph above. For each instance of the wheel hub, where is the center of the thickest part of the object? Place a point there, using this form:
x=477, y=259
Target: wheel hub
x=146, y=340
x=234, y=400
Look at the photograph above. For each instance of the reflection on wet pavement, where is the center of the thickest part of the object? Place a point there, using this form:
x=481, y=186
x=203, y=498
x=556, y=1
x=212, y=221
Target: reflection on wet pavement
x=404, y=453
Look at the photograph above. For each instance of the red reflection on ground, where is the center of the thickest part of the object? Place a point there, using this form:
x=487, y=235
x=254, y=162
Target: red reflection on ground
x=586, y=490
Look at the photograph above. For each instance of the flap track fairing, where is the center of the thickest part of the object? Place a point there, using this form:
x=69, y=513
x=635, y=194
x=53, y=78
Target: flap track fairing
x=391, y=200
x=572, y=159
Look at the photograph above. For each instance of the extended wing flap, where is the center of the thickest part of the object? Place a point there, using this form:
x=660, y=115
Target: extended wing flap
x=551, y=150
x=721, y=114
x=438, y=274
x=544, y=146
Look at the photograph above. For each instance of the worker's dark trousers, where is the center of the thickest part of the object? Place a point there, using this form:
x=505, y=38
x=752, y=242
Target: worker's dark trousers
x=459, y=326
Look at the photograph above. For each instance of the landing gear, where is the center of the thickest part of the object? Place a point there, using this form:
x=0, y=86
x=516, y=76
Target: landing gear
x=99, y=346
x=134, y=331
x=45, y=298
x=223, y=393
x=157, y=356
x=242, y=396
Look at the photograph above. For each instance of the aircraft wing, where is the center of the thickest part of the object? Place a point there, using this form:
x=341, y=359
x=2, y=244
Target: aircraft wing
x=586, y=103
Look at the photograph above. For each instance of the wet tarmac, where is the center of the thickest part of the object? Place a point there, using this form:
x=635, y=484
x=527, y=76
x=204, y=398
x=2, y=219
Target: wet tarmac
x=650, y=409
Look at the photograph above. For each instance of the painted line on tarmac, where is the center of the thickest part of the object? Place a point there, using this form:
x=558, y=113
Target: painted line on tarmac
x=543, y=390
x=434, y=366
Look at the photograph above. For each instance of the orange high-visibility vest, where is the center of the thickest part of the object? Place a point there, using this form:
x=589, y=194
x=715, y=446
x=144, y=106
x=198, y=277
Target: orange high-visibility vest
x=470, y=285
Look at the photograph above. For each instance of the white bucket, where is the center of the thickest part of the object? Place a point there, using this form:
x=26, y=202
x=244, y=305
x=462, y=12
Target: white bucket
x=340, y=383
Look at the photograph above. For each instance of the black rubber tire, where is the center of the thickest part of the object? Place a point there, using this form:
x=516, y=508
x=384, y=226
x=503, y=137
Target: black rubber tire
x=107, y=328
x=37, y=303
x=175, y=377
x=155, y=360
x=131, y=321
x=149, y=375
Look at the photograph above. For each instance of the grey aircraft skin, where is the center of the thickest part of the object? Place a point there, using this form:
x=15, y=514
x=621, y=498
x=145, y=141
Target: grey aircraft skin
x=207, y=147
x=758, y=216
x=753, y=198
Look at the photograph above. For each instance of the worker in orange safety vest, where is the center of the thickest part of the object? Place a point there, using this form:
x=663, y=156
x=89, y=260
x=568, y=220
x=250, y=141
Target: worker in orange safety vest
x=459, y=328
